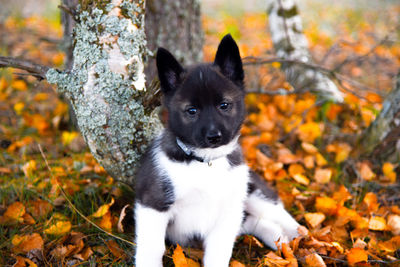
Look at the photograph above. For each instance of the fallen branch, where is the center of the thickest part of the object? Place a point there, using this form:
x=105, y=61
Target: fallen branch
x=36, y=70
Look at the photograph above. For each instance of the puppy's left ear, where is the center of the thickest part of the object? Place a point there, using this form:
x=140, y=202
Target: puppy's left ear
x=228, y=60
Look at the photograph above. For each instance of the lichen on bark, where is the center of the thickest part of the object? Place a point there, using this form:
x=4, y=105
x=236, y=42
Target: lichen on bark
x=106, y=85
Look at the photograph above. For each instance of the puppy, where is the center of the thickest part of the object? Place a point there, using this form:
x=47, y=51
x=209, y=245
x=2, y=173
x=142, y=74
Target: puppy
x=193, y=183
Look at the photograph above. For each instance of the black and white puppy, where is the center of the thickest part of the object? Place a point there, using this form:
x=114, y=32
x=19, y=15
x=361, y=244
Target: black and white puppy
x=193, y=182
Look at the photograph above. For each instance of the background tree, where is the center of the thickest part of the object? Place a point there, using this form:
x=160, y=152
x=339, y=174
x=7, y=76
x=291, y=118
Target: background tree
x=290, y=43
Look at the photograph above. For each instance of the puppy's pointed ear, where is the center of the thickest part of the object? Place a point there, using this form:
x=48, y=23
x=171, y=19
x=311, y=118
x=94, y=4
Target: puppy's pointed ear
x=229, y=61
x=169, y=71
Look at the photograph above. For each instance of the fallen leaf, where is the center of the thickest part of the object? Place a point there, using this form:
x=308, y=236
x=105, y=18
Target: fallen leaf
x=115, y=249
x=371, y=201
x=377, y=223
x=389, y=172
x=342, y=195
x=309, y=131
x=103, y=209
x=365, y=171
x=23, y=262
x=326, y=205
x=393, y=223
x=15, y=212
x=39, y=208
x=314, y=260
x=356, y=255
x=271, y=259
x=19, y=85
x=26, y=243
x=323, y=176
x=314, y=219
x=360, y=244
x=309, y=148
x=106, y=221
x=179, y=258
x=289, y=255
x=58, y=228
x=18, y=107
x=296, y=169
x=300, y=178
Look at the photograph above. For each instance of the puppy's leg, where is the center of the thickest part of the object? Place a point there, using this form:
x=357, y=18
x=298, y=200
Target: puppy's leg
x=151, y=227
x=268, y=220
x=219, y=243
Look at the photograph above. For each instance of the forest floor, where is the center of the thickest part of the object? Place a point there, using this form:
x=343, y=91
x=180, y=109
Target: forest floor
x=58, y=207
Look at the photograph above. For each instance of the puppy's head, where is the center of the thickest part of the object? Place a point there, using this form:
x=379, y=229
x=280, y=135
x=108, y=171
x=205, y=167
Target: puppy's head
x=205, y=102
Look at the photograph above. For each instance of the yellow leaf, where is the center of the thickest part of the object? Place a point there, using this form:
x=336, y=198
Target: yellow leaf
x=19, y=85
x=323, y=176
x=103, y=209
x=300, y=178
x=321, y=161
x=326, y=205
x=276, y=65
x=342, y=152
x=179, y=258
x=356, y=255
x=27, y=243
x=67, y=137
x=58, y=228
x=29, y=167
x=377, y=223
x=388, y=171
x=15, y=212
x=18, y=107
x=314, y=219
x=309, y=131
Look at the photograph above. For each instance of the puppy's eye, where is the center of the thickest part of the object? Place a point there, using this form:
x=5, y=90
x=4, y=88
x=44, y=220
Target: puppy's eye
x=224, y=106
x=191, y=111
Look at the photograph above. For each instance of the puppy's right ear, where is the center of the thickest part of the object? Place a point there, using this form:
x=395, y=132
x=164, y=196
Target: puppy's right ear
x=169, y=71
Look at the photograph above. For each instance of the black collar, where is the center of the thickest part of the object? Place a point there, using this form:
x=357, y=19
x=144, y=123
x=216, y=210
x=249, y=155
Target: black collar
x=189, y=152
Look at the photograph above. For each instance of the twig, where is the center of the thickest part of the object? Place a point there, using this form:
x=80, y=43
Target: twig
x=36, y=70
x=74, y=208
x=68, y=10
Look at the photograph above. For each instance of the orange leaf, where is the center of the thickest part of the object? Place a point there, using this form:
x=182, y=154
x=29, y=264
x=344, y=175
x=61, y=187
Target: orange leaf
x=309, y=161
x=103, y=209
x=326, y=205
x=342, y=195
x=235, y=263
x=314, y=260
x=314, y=219
x=15, y=212
x=356, y=255
x=371, y=201
x=18, y=107
x=272, y=259
x=388, y=171
x=288, y=253
x=377, y=223
x=106, y=221
x=321, y=161
x=179, y=258
x=323, y=176
x=27, y=243
x=296, y=169
x=23, y=262
x=39, y=208
x=19, y=85
x=309, y=131
x=58, y=228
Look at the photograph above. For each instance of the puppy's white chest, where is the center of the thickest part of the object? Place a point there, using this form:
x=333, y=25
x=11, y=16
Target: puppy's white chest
x=205, y=196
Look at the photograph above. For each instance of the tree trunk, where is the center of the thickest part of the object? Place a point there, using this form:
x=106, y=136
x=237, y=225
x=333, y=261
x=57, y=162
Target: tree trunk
x=106, y=85
x=290, y=43
x=381, y=141
x=176, y=26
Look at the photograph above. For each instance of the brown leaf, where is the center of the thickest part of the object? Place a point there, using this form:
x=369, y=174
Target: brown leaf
x=39, y=208
x=122, y=215
x=115, y=249
x=288, y=253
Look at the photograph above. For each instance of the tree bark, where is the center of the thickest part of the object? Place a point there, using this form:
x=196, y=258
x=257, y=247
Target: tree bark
x=176, y=26
x=381, y=140
x=106, y=85
x=290, y=43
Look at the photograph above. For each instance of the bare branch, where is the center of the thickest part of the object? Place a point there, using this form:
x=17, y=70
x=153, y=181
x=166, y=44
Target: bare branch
x=36, y=70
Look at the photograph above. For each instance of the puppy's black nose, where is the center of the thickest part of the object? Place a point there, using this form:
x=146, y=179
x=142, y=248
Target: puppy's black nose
x=214, y=137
